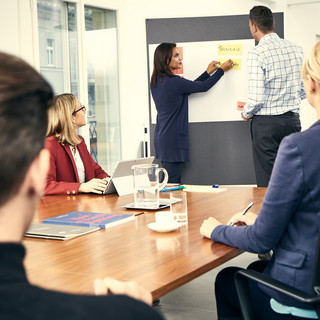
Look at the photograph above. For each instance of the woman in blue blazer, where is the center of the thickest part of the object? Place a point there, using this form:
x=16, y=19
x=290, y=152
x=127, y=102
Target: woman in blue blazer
x=170, y=94
x=288, y=222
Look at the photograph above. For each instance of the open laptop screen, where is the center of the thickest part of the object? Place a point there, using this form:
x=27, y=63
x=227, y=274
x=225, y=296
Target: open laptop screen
x=121, y=180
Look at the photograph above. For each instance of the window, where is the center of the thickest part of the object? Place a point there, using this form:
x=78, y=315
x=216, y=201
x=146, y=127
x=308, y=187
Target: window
x=103, y=85
x=58, y=46
x=60, y=53
x=50, y=52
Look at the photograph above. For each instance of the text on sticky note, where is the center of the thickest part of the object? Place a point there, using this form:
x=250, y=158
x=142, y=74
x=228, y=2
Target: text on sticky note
x=230, y=49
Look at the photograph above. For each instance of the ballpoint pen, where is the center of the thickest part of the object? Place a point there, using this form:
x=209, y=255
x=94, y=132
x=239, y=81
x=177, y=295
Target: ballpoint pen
x=244, y=211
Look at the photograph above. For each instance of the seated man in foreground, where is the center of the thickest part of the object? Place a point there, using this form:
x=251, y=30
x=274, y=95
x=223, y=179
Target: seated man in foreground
x=24, y=99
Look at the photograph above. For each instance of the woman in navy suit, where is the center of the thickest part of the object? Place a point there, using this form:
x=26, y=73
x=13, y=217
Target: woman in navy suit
x=170, y=94
x=288, y=222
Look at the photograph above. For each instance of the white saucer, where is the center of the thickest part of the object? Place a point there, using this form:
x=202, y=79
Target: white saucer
x=163, y=228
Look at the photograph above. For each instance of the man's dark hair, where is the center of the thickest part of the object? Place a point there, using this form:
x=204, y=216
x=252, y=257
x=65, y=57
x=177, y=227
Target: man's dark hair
x=262, y=17
x=161, y=61
x=24, y=100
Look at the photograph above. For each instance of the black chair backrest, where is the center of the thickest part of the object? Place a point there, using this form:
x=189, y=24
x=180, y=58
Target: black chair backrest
x=242, y=277
x=316, y=270
x=316, y=274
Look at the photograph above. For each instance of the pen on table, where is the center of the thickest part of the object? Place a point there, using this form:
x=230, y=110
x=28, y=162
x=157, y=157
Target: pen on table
x=173, y=188
x=138, y=213
x=244, y=211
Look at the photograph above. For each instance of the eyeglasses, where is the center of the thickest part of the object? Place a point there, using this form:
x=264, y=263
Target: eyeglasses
x=82, y=108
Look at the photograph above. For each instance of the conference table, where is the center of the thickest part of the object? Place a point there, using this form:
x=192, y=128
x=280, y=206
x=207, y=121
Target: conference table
x=131, y=251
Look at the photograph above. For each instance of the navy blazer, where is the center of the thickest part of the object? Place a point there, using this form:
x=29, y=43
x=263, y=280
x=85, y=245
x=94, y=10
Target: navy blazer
x=171, y=136
x=289, y=219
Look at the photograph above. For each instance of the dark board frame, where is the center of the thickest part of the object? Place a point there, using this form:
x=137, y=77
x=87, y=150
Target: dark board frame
x=220, y=152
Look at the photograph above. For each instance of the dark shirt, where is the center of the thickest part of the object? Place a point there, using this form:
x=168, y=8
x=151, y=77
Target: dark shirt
x=171, y=136
x=21, y=300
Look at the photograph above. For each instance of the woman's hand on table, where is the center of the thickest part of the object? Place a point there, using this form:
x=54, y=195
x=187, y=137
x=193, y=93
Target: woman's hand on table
x=208, y=226
x=94, y=186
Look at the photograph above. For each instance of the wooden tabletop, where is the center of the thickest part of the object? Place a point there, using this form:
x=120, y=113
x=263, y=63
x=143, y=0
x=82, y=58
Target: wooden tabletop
x=160, y=262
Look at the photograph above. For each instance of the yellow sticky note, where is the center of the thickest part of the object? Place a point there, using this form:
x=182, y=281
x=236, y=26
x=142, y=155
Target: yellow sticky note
x=236, y=63
x=230, y=49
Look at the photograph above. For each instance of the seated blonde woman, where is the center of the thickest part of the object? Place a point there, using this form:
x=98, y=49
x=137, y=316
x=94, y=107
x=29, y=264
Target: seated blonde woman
x=72, y=169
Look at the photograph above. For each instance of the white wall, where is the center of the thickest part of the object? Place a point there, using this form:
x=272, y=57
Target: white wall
x=16, y=36
x=16, y=33
x=302, y=26
x=9, y=31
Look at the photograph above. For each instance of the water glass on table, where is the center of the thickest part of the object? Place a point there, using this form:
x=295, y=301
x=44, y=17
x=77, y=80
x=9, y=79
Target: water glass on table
x=146, y=185
x=178, y=207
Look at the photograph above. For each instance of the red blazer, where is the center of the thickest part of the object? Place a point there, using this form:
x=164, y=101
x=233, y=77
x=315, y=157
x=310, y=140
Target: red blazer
x=63, y=175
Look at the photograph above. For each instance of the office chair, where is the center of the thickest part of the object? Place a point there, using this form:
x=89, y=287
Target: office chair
x=242, y=277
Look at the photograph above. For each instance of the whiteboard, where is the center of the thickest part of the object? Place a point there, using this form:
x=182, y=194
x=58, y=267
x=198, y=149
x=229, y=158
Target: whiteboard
x=225, y=100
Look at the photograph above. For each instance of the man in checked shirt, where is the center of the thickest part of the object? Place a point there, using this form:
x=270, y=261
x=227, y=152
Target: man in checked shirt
x=275, y=91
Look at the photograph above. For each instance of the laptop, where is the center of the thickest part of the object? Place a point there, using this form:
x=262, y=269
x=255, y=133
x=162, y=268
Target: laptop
x=121, y=181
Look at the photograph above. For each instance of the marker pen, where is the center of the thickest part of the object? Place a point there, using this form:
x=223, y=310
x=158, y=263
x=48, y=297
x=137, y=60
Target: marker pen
x=173, y=188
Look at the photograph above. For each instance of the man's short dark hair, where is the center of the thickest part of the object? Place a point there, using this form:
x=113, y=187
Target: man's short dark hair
x=24, y=100
x=262, y=17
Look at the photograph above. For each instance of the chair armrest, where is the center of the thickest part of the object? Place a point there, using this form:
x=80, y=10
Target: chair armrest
x=278, y=286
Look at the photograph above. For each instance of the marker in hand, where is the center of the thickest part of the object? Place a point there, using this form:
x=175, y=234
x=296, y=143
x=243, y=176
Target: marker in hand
x=244, y=211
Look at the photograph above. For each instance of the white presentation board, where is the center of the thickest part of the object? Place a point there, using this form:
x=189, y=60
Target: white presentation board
x=225, y=101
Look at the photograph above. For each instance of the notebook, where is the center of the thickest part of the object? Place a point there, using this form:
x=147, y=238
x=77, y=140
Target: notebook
x=121, y=180
x=57, y=232
x=163, y=203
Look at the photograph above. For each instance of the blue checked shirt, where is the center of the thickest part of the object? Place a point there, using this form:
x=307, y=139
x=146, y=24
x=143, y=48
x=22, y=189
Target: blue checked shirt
x=275, y=84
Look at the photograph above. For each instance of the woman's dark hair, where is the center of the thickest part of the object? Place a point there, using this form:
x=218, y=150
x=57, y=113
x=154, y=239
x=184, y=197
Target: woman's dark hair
x=161, y=61
x=262, y=17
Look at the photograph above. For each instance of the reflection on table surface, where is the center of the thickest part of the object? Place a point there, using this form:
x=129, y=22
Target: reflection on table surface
x=160, y=262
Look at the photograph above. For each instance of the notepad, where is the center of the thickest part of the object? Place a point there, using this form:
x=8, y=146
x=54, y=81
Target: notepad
x=90, y=219
x=57, y=232
x=200, y=188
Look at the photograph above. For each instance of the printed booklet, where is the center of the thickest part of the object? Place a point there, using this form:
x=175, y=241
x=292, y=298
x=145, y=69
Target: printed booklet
x=90, y=219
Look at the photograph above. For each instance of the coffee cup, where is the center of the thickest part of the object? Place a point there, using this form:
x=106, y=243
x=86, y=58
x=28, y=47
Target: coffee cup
x=164, y=218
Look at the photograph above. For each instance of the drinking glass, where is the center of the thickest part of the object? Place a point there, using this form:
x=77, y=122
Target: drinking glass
x=178, y=207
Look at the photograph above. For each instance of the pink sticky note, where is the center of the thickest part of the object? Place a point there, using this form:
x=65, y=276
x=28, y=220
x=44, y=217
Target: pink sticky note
x=240, y=105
